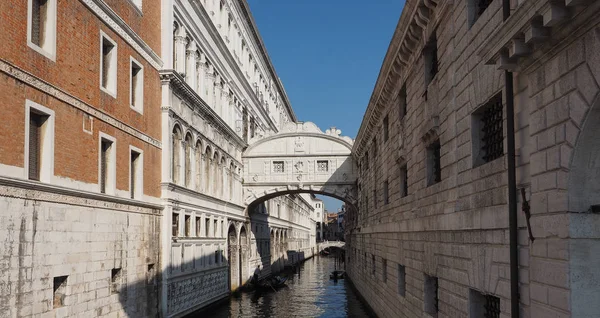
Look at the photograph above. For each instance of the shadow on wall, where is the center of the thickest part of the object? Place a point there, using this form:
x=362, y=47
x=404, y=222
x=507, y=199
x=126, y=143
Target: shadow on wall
x=141, y=298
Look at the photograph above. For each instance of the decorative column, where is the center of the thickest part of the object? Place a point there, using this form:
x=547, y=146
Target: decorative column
x=218, y=91
x=190, y=65
x=180, y=44
x=223, y=109
x=201, y=73
x=210, y=86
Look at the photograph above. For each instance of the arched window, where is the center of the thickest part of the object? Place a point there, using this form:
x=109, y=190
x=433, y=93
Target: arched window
x=198, y=162
x=176, y=154
x=222, y=177
x=231, y=182
x=215, y=173
x=207, y=175
x=188, y=159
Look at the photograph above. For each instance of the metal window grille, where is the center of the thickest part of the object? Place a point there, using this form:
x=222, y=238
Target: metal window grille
x=35, y=127
x=431, y=58
x=322, y=165
x=492, y=307
x=278, y=167
x=39, y=9
x=434, y=161
x=492, y=129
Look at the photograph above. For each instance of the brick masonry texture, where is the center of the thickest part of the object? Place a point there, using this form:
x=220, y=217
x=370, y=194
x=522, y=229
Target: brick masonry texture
x=457, y=229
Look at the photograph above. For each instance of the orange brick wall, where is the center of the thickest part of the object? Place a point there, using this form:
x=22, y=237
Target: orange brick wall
x=76, y=71
x=78, y=61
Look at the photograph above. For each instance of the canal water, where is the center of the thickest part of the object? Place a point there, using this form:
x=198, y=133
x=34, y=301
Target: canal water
x=309, y=293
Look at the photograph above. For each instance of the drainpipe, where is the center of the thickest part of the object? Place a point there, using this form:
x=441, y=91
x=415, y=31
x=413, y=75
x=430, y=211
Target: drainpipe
x=512, y=184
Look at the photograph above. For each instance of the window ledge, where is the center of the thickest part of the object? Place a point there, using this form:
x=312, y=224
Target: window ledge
x=50, y=55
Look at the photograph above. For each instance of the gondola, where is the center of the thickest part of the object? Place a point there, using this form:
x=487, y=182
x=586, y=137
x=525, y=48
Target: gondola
x=272, y=283
x=337, y=275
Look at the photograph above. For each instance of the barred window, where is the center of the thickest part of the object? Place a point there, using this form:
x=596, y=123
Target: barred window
x=404, y=181
x=482, y=305
x=434, y=170
x=401, y=280
x=431, y=295
x=278, y=167
x=386, y=132
x=488, y=131
x=322, y=165
x=402, y=102
x=431, y=59
x=386, y=198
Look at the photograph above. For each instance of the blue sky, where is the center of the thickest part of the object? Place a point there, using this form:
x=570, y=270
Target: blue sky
x=327, y=54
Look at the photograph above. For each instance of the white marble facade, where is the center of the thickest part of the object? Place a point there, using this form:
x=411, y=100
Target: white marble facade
x=219, y=91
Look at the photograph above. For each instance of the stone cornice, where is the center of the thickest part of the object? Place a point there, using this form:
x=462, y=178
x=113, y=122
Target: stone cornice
x=114, y=21
x=532, y=23
x=228, y=56
x=38, y=191
x=173, y=187
x=47, y=88
x=179, y=85
x=407, y=39
x=250, y=20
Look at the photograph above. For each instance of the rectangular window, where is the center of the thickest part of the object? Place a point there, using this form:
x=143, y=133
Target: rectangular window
x=374, y=147
x=136, y=170
x=151, y=275
x=217, y=253
x=384, y=270
x=136, y=95
x=39, y=140
x=366, y=161
x=322, y=166
x=115, y=280
x=434, y=170
x=36, y=122
x=403, y=181
x=215, y=228
x=373, y=268
x=108, y=65
x=482, y=305
x=487, y=131
x=175, y=225
x=107, y=169
x=278, y=167
x=431, y=59
x=206, y=226
x=375, y=198
x=386, y=132
x=386, y=198
x=188, y=225
x=402, y=102
x=401, y=280
x=198, y=226
x=431, y=295
x=41, y=33
x=476, y=9
x=59, y=291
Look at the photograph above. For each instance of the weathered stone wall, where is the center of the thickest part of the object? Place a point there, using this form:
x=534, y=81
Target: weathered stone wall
x=84, y=240
x=457, y=229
